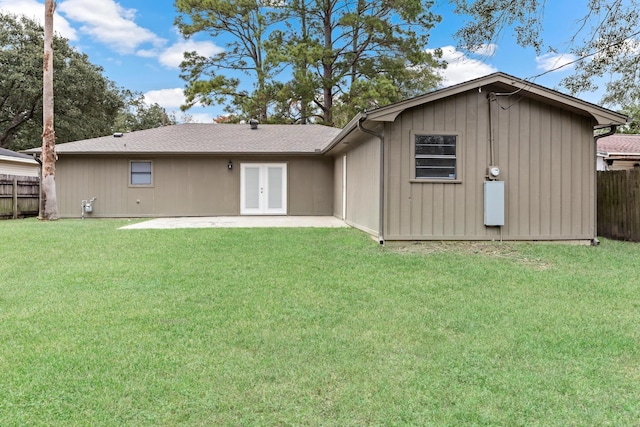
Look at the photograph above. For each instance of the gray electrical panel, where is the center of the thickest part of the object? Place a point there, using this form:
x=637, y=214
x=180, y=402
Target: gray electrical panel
x=494, y=203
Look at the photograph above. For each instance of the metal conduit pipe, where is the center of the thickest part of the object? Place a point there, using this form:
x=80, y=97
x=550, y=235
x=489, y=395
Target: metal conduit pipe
x=380, y=136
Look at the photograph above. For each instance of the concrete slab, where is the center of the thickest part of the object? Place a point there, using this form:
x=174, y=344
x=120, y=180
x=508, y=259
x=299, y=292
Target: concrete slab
x=240, y=222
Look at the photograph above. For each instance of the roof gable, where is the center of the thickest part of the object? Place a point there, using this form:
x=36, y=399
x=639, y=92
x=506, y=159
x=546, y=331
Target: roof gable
x=509, y=84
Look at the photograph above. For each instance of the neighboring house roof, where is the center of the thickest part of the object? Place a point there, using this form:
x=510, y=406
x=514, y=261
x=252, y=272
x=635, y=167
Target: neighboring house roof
x=202, y=138
x=509, y=84
x=12, y=156
x=620, y=145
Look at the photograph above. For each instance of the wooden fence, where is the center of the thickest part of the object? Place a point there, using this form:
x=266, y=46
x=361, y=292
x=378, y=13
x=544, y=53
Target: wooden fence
x=619, y=204
x=19, y=196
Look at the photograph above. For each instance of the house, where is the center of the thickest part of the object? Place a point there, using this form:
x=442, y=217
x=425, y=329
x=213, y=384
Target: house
x=619, y=152
x=18, y=164
x=492, y=158
x=198, y=169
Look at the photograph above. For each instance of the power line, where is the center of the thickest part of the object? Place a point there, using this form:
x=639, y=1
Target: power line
x=582, y=58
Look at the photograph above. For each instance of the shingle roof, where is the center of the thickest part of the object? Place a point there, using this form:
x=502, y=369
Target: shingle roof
x=197, y=138
x=8, y=153
x=620, y=144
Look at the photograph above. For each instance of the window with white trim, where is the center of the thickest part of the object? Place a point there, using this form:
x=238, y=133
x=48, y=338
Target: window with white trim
x=141, y=172
x=435, y=156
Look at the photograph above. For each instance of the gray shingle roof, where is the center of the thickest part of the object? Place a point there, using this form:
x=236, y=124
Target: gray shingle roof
x=9, y=153
x=197, y=138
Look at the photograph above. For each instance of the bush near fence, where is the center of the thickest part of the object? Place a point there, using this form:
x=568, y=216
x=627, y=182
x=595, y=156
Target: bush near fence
x=19, y=196
x=619, y=204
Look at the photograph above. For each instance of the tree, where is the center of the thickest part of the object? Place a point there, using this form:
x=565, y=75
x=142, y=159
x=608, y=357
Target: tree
x=633, y=125
x=341, y=56
x=245, y=23
x=138, y=115
x=373, y=53
x=86, y=102
x=606, y=42
x=49, y=203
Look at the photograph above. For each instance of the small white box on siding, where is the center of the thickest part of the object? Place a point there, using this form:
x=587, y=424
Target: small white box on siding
x=494, y=203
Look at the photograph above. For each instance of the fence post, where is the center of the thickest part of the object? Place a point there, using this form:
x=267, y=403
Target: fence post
x=15, y=197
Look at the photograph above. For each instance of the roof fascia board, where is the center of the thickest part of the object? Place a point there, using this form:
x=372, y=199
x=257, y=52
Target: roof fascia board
x=190, y=153
x=602, y=115
x=350, y=127
x=18, y=160
x=389, y=113
x=631, y=153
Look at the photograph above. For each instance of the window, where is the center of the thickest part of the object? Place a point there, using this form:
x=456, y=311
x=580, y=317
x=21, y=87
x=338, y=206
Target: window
x=435, y=156
x=141, y=173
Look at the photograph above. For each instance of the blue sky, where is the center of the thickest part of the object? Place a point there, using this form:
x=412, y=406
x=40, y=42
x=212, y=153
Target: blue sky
x=140, y=49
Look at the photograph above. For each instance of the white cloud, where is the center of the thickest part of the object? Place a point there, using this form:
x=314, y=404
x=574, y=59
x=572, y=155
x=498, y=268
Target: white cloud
x=461, y=68
x=167, y=98
x=147, y=53
x=110, y=24
x=35, y=10
x=555, y=61
x=487, y=49
x=174, y=54
x=171, y=100
x=195, y=118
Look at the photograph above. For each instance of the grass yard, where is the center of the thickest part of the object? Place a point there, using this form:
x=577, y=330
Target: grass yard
x=101, y=326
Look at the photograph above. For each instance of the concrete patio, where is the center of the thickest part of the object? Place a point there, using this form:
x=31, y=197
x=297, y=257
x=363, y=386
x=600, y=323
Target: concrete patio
x=240, y=222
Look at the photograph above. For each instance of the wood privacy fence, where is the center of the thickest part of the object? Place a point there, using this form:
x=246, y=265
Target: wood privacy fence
x=619, y=204
x=19, y=196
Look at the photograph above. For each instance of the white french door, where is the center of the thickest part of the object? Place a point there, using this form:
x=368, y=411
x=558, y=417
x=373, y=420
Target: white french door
x=263, y=188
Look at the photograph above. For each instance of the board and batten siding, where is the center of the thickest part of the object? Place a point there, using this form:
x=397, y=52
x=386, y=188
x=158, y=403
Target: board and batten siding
x=183, y=185
x=363, y=186
x=547, y=159
x=338, y=186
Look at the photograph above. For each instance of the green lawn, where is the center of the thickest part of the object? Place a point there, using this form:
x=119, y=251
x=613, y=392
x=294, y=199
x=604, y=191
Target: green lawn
x=101, y=326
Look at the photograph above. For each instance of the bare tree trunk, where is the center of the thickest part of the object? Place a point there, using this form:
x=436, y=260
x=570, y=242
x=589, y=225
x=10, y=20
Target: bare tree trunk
x=327, y=65
x=49, y=203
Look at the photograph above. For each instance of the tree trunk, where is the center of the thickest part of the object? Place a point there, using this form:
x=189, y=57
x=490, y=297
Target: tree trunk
x=49, y=203
x=304, y=102
x=327, y=65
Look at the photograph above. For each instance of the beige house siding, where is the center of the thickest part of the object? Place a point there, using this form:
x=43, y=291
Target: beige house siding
x=18, y=168
x=338, y=183
x=622, y=165
x=183, y=185
x=363, y=186
x=546, y=155
x=311, y=186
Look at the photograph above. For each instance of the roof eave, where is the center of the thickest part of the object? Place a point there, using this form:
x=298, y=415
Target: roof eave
x=350, y=127
x=18, y=160
x=191, y=153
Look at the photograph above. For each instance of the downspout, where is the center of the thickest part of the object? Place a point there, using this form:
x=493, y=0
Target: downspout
x=380, y=136
x=611, y=131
